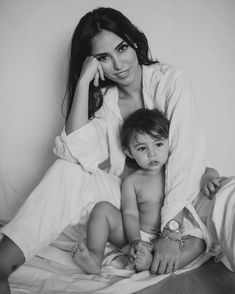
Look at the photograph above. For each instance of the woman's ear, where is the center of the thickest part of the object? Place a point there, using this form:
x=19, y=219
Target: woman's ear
x=128, y=153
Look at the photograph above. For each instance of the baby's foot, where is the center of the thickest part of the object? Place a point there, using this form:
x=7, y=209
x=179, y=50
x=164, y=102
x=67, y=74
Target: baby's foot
x=86, y=259
x=143, y=258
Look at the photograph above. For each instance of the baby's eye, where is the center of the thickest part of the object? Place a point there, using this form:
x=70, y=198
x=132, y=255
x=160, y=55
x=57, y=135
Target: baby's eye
x=102, y=58
x=159, y=144
x=123, y=47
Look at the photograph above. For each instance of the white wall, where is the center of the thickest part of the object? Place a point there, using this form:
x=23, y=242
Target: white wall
x=197, y=35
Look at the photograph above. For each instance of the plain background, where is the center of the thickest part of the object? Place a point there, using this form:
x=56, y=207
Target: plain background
x=196, y=35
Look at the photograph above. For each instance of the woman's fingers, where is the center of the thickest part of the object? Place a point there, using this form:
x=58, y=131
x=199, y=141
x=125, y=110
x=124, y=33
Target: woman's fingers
x=211, y=186
x=92, y=71
x=215, y=182
x=170, y=267
x=101, y=73
x=98, y=75
x=206, y=192
x=96, y=79
x=155, y=264
x=162, y=267
x=176, y=265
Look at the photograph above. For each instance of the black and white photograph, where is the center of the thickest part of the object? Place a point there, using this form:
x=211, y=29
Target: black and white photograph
x=117, y=166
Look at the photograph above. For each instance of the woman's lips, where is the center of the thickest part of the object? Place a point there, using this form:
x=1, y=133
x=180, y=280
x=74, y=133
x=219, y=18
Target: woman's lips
x=123, y=74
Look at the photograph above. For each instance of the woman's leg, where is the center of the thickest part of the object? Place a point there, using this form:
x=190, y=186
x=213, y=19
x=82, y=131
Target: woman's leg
x=56, y=202
x=192, y=249
x=11, y=258
x=105, y=224
x=221, y=220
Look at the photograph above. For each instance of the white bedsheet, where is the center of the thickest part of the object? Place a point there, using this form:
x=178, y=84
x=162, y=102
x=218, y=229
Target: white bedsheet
x=53, y=272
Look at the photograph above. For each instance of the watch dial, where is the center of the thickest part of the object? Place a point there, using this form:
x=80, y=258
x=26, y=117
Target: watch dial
x=173, y=225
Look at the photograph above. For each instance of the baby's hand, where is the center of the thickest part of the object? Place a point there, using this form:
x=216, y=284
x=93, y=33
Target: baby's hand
x=211, y=186
x=143, y=257
x=135, y=245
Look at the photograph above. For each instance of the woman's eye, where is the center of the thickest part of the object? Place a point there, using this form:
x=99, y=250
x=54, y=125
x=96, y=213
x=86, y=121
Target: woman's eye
x=123, y=47
x=141, y=149
x=102, y=58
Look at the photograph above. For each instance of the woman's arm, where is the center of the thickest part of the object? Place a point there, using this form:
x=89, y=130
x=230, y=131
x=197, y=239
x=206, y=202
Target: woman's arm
x=78, y=115
x=185, y=166
x=187, y=160
x=84, y=141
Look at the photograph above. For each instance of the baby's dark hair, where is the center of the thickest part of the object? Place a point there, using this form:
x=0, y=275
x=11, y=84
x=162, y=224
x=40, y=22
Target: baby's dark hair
x=146, y=121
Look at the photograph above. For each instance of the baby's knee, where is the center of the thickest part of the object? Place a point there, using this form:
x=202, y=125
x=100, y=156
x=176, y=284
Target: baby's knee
x=103, y=207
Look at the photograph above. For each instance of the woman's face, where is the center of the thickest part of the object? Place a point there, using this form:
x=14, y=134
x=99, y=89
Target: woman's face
x=118, y=60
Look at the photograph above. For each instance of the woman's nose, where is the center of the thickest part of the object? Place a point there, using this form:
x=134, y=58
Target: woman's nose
x=117, y=63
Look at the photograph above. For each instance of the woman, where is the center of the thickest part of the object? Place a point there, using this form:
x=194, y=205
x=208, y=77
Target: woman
x=110, y=76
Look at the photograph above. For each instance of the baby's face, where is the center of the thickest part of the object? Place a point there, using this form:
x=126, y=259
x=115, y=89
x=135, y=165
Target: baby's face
x=148, y=152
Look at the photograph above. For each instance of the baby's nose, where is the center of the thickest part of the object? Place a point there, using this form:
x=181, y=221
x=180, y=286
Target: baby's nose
x=152, y=152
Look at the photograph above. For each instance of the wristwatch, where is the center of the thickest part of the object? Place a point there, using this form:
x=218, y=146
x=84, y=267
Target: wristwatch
x=174, y=226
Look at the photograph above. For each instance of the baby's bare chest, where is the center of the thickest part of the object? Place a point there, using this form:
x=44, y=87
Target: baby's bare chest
x=150, y=191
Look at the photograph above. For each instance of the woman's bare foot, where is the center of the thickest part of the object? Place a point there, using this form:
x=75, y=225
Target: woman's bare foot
x=89, y=262
x=143, y=258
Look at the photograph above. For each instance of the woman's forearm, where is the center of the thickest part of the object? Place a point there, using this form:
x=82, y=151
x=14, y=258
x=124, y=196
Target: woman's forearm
x=78, y=115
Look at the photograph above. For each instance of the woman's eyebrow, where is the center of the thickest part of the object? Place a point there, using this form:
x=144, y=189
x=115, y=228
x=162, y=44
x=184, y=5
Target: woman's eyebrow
x=116, y=48
x=119, y=45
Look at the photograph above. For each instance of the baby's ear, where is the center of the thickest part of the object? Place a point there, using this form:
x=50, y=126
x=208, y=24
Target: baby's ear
x=128, y=153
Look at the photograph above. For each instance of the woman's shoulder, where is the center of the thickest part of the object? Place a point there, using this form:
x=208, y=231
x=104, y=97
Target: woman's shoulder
x=164, y=75
x=162, y=70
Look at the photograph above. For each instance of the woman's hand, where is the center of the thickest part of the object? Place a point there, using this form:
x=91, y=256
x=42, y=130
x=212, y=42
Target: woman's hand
x=78, y=116
x=166, y=256
x=211, y=185
x=91, y=70
x=211, y=181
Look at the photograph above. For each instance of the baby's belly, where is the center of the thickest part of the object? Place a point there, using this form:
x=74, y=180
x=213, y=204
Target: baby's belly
x=150, y=219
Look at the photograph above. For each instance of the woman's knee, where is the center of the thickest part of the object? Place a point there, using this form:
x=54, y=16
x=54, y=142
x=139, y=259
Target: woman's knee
x=11, y=258
x=196, y=245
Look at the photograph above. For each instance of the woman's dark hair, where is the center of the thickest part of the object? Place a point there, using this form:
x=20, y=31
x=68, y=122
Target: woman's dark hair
x=90, y=25
x=145, y=121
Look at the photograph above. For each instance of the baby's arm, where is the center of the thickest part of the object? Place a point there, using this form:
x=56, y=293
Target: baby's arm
x=211, y=182
x=130, y=213
x=140, y=251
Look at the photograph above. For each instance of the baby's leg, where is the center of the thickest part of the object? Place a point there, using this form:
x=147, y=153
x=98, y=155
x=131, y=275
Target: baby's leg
x=143, y=258
x=105, y=223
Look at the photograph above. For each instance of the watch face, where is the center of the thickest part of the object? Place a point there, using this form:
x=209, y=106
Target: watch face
x=173, y=225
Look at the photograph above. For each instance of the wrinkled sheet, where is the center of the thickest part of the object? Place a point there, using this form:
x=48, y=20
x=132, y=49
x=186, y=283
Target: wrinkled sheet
x=52, y=271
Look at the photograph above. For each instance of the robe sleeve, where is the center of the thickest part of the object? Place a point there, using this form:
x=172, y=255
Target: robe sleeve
x=187, y=159
x=86, y=146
